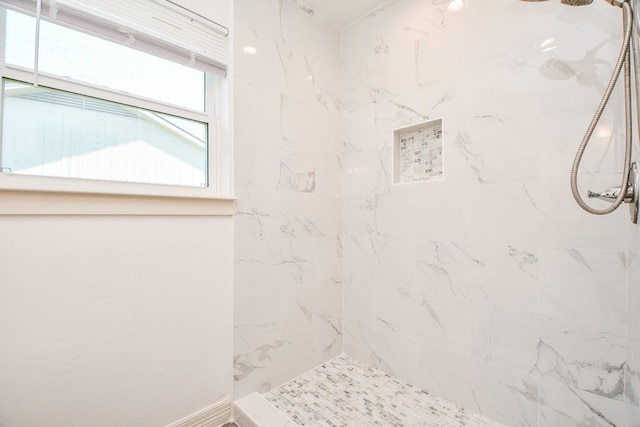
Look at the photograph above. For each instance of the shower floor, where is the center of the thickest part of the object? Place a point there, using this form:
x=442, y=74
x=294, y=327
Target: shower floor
x=346, y=392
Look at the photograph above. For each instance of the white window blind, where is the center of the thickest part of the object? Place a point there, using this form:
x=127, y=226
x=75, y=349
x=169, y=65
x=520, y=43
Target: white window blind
x=159, y=27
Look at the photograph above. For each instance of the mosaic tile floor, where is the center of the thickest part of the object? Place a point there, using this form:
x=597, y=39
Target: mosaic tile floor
x=346, y=392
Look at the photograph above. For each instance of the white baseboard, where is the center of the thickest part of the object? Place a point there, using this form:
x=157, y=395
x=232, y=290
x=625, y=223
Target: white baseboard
x=211, y=416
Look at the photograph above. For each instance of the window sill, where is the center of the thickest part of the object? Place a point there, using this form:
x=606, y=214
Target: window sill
x=90, y=198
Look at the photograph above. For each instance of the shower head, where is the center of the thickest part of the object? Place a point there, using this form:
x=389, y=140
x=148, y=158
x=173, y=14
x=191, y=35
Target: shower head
x=584, y=2
x=581, y=2
x=576, y=2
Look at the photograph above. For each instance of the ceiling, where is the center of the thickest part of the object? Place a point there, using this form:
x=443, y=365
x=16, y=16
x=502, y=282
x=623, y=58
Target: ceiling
x=343, y=12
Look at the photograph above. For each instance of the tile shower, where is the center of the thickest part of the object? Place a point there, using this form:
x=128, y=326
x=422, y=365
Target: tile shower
x=487, y=286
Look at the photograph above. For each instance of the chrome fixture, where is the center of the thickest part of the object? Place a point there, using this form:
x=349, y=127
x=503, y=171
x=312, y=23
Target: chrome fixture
x=612, y=194
x=630, y=181
x=631, y=197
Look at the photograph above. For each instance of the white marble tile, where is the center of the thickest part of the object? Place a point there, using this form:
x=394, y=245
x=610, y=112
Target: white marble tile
x=381, y=348
x=399, y=112
x=571, y=77
x=425, y=212
x=357, y=46
x=256, y=321
x=302, y=28
x=306, y=123
x=359, y=258
x=358, y=219
x=442, y=58
x=358, y=297
x=297, y=51
x=632, y=414
x=256, y=370
x=266, y=266
x=436, y=318
x=263, y=68
x=309, y=79
x=632, y=379
x=354, y=92
x=358, y=131
x=259, y=16
x=329, y=342
x=445, y=267
x=597, y=276
x=501, y=274
x=364, y=177
x=393, y=69
x=564, y=406
x=419, y=106
x=356, y=41
x=584, y=355
x=502, y=152
x=257, y=146
x=328, y=259
x=505, y=336
x=386, y=260
x=496, y=392
x=301, y=169
x=632, y=374
x=272, y=364
x=308, y=305
x=505, y=213
x=561, y=133
x=501, y=98
x=308, y=215
x=257, y=214
x=633, y=291
x=331, y=182
x=564, y=224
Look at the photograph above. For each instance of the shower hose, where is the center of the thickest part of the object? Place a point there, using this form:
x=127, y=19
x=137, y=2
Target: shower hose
x=624, y=61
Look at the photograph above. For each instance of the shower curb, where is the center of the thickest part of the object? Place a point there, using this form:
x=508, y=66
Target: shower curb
x=256, y=411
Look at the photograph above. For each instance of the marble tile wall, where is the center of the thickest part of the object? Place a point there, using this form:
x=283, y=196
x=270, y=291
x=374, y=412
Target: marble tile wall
x=490, y=287
x=632, y=368
x=288, y=271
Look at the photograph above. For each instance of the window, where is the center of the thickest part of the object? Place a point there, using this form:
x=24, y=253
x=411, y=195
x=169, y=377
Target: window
x=121, y=91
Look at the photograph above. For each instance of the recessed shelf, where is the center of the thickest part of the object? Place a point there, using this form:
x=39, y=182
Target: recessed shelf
x=417, y=153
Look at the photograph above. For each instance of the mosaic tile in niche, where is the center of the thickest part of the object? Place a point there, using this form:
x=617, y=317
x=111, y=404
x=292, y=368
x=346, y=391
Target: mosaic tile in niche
x=418, y=153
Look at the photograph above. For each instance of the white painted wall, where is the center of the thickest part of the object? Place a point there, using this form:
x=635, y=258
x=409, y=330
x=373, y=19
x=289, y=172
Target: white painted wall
x=109, y=321
x=115, y=320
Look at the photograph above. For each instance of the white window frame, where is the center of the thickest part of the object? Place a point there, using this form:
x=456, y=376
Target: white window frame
x=85, y=196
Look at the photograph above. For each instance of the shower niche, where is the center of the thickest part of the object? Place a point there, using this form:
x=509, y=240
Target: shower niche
x=417, y=153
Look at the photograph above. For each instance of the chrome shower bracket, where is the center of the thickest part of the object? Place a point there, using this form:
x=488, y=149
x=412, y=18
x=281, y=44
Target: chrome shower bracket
x=634, y=184
x=632, y=196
